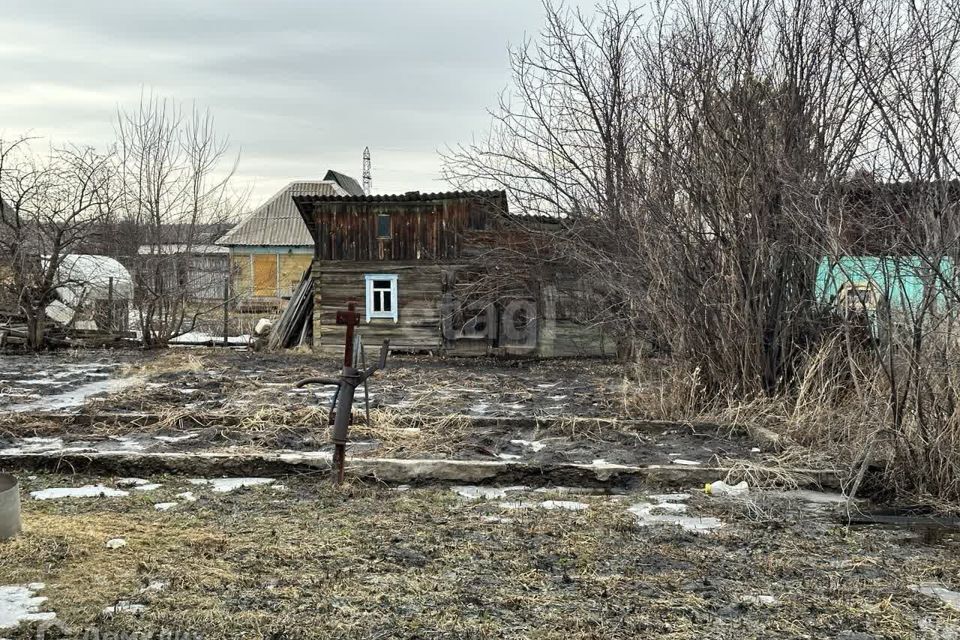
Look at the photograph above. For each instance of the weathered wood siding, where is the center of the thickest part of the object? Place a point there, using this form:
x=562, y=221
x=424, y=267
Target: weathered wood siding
x=419, y=292
x=420, y=229
x=437, y=246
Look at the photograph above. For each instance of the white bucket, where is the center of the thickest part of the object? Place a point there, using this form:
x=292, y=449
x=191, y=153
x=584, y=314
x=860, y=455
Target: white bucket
x=9, y=506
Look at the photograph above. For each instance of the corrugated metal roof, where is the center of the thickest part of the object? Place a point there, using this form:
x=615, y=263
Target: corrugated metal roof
x=410, y=196
x=277, y=222
x=351, y=186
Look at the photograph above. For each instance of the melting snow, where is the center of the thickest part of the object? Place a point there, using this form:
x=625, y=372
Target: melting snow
x=480, y=408
x=171, y=439
x=164, y=506
x=564, y=504
x=75, y=397
x=534, y=445
x=132, y=482
x=487, y=493
x=18, y=604
x=187, y=495
x=86, y=491
x=34, y=445
x=124, y=606
x=949, y=598
x=653, y=514
x=225, y=485
x=519, y=504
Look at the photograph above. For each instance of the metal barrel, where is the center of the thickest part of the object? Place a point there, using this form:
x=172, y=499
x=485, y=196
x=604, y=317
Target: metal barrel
x=9, y=506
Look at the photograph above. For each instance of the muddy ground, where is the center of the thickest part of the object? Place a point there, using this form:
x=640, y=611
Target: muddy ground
x=469, y=409
x=289, y=556
x=298, y=559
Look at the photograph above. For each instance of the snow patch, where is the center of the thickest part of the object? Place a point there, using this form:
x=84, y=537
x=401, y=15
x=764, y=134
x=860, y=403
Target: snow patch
x=566, y=505
x=124, y=606
x=949, y=598
x=34, y=445
x=487, y=493
x=86, y=491
x=172, y=439
x=668, y=511
x=225, y=485
x=19, y=604
x=132, y=482
x=164, y=506
x=533, y=445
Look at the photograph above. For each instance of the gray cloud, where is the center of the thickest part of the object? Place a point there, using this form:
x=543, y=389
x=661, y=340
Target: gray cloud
x=298, y=86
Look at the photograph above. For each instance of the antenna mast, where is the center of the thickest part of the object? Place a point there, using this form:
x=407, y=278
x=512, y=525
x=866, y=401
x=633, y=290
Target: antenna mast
x=367, y=180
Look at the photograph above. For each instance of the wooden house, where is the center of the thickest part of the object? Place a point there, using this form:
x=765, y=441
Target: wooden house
x=428, y=272
x=271, y=248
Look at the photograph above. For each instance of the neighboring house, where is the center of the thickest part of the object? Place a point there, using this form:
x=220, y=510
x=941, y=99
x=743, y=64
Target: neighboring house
x=203, y=270
x=885, y=291
x=408, y=262
x=271, y=248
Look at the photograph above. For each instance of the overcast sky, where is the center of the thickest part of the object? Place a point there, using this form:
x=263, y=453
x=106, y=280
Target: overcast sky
x=299, y=87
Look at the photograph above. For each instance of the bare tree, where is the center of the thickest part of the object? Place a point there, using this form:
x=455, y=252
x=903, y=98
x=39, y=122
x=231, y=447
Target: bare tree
x=51, y=205
x=694, y=164
x=175, y=175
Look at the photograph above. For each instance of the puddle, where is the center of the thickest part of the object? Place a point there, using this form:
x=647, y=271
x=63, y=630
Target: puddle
x=19, y=604
x=225, y=485
x=86, y=491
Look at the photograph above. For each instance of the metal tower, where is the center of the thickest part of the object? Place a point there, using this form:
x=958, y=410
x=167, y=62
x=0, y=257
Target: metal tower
x=367, y=180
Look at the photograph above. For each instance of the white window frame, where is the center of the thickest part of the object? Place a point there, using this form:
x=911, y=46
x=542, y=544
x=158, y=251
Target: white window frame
x=369, y=279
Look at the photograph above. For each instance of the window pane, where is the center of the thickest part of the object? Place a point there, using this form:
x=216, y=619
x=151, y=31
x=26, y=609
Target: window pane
x=381, y=284
x=387, y=304
x=377, y=301
x=383, y=226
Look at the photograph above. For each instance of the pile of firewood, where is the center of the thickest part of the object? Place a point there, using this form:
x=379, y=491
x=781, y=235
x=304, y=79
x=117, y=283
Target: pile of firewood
x=13, y=333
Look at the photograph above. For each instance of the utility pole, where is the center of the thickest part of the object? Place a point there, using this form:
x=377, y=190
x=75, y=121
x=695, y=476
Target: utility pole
x=367, y=180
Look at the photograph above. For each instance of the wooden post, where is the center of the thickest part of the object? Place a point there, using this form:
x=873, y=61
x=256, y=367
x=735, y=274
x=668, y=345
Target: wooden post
x=110, y=304
x=226, y=312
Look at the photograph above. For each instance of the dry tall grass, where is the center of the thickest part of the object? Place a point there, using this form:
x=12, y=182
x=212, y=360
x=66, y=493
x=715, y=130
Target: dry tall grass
x=889, y=415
